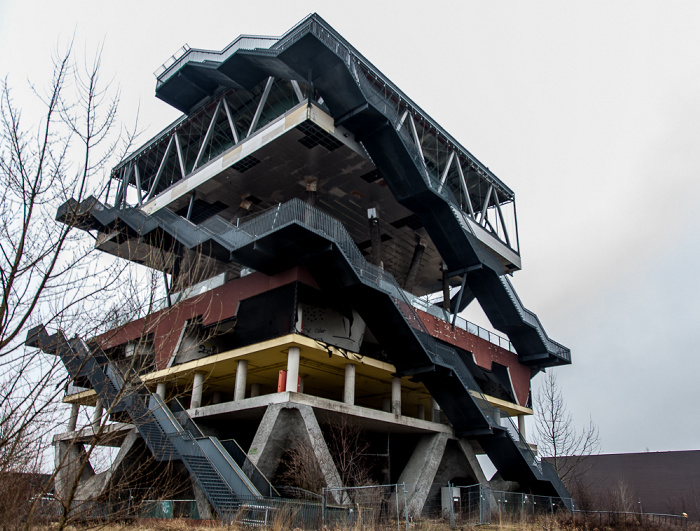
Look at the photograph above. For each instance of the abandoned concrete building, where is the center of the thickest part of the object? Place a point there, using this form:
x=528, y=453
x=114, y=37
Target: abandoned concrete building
x=319, y=235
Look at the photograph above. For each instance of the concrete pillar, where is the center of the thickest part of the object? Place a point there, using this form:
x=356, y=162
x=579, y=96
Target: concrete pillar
x=521, y=427
x=349, y=390
x=241, y=377
x=73, y=419
x=280, y=425
x=197, y=389
x=161, y=389
x=293, y=358
x=420, y=471
x=421, y=412
x=497, y=416
x=216, y=397
x=69, y=458
x=254, y=390
x=97, y=415
x=386, y=404
x=301, y=384
x=435, y=410
x=396, y=395
x=204, y=508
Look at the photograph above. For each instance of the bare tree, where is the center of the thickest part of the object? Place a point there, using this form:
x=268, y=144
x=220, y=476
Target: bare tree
x=349, y=449
x=48, y=271
x=558, y=439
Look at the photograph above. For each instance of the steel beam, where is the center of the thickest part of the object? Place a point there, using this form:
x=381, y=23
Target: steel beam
x=261, y=104
x=207, y=137
x=231, y=123
x=156, y=180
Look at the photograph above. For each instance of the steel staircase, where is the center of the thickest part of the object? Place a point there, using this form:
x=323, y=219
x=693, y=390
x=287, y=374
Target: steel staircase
x=221, y=479
x=371, y=290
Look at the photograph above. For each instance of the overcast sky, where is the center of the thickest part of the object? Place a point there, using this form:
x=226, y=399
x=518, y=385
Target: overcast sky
x=589, y=111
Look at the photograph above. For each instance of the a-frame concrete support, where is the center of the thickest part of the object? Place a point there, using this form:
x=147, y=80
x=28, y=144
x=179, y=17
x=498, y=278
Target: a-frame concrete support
x=281, y=425
x=436, y=460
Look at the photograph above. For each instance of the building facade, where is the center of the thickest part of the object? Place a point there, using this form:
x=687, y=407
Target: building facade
x=318, y=234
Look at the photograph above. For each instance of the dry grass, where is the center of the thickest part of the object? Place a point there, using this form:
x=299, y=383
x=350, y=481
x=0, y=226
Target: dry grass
x=283, y=524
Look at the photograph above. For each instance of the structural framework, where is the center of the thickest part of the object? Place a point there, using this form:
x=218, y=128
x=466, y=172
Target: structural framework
x=307, y=215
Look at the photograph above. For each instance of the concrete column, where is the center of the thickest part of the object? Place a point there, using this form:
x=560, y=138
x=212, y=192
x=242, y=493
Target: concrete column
x=421, y=469
x=386, y=404
x=301, y=384
x=254, y=390
x=293, y=358
x=421, y=412
x=216, y=398
x=97, y=415
x=160, y=390
x=281, y=424
x=396, y=395
x=349, y=390
x=241, y=377
x=497, y=416
x=521, y=426
x=435, y=410
x=73, y=419
x=197, y=388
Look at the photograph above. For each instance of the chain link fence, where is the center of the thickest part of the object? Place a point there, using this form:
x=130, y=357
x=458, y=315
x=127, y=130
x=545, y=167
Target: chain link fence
x=479, y=504
x=366, y=507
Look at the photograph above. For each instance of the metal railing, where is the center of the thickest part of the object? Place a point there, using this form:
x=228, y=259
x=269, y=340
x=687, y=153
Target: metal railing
x=421, y=303
x=531, y=319
x=296, y=211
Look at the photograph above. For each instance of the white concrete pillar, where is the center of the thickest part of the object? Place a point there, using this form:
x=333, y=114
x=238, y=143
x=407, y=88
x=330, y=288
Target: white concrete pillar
x=73, y=419
x=216, y=397
x=421, y=412
x=497, y=416
x=241, y=379
x=254, y=390
x=161, y=389
x=521, y=427
x=197, y=389
x=396, y=395
x=435, y=409
x=293, y=358
x=97, y=415
x=349, y=389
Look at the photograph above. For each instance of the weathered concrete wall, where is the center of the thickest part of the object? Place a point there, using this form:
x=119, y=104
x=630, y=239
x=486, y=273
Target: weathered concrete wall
x=283, y=424
x=421, y=468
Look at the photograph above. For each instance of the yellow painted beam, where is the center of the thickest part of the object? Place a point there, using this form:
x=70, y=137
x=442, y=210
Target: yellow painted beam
x=270, y=354
x=509, y=407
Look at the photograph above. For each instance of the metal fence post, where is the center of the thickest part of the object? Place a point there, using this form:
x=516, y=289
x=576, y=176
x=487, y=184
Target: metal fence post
x=405, y=505
x=396, y=490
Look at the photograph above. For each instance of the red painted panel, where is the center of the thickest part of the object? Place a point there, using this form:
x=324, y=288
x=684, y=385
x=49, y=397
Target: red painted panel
x=485, y=352
x=214, y=306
